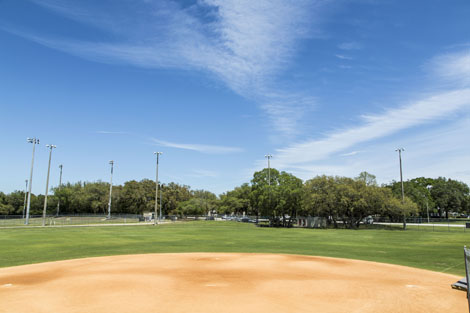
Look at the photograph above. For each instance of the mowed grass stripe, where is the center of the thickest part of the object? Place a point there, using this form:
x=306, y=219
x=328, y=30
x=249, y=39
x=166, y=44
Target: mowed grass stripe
x=437, y=251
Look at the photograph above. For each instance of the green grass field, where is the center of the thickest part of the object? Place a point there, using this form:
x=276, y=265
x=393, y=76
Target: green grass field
x=437, y=251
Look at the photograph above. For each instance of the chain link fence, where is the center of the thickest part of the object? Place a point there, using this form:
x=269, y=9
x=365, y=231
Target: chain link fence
x=418, y=224
x=370, y=222
x=116, y=219
x=69, y=220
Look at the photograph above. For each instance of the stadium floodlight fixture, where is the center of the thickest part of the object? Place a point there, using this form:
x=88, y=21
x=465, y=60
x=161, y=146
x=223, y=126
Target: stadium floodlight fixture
x=34, y=141
x=110, y=188
x=156, y=193
x=400, y=150
x=50, y=147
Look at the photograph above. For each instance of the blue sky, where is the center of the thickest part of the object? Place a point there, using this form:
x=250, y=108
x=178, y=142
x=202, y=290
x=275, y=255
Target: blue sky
x=326, y=87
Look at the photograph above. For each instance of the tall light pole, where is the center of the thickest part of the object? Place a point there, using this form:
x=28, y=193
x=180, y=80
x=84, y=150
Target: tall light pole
x=60, y=185
x=268, y=156
x=34, y=141
x=50, y=147
x=156, y=193
x=25, y=195
x=427, y=200
x=402, y=187
x=110, y=189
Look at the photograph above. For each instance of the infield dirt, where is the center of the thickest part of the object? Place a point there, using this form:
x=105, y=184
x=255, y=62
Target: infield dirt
x=225, y=282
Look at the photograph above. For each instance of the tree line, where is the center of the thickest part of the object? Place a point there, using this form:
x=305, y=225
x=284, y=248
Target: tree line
x=272, y=194
x=134, y=197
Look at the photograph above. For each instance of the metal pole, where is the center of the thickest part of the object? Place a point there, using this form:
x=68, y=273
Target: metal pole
x=428, y=187
x=269, y=169
x=110, y=189
x=427, y=208
x=25, y=195
x=269, y=156
x=47, y=185
x=156, y=193
x=34, y=141
x=160, y=197
x=402, y=187
x=60, y=185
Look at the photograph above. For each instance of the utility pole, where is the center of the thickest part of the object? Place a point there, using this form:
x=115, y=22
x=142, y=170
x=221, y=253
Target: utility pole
x=25, y=195
x=50, y=147
x=268, y=156
x=156, y=193
x=34, y=141
x=60, y=185
x=402, y=187
x=110, y=189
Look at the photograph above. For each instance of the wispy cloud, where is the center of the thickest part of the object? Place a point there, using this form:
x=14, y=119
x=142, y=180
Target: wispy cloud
x=377, y=126
x=349, y=153
x=343, y=57
x=244, y=43
x=203, y=173
x=420, y=111
x=209, y=149
x=351, y=45
x=436, y=152
x=453, y=67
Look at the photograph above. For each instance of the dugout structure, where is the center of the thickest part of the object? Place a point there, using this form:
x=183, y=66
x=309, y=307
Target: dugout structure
x=311, y=222
x=463, y=283
x=467, y=264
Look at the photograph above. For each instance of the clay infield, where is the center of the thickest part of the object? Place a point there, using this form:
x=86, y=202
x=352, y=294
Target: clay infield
x=223, y=282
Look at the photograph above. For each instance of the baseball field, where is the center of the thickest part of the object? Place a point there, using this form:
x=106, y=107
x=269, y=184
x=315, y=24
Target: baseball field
x=208, y=266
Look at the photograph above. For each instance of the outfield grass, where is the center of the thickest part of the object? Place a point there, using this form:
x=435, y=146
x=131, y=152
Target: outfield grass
x=437, y=251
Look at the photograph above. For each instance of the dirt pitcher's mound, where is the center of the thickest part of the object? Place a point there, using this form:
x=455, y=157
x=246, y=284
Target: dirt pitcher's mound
x=224, y=283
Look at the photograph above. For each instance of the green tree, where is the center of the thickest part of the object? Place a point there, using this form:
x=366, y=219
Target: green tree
x=415, y=189
x=5, y=207
x=193, y=206
x=264, y=196
x=367, y=178
x=237, y=201
x=319, y=199
x=207, y=199
x=137, y=197
x=289, y=192
x=172, y=195
x=450, y=195
x=395, y=208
